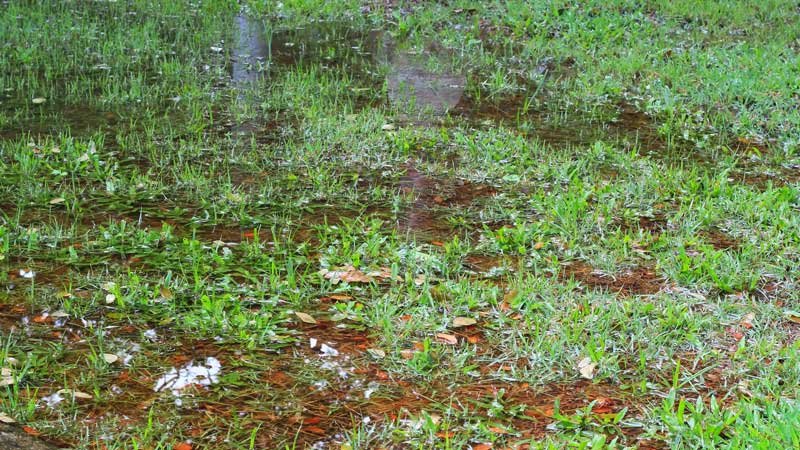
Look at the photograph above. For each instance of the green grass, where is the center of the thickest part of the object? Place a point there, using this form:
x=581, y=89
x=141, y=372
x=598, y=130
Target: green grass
x=612, y=201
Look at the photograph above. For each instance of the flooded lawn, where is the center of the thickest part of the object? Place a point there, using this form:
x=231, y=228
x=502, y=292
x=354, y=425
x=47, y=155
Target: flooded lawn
x=339, y=225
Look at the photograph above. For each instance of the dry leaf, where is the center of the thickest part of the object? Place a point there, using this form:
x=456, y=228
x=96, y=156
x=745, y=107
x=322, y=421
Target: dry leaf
x=75, y=394
x=793, y=316
x=387, y=127
x=459, y=322
x=407, y=353
x=481, y=447
x=6, y=419
x=110, y=298
x=57, y=200
x=110, y=358
x=446, y=338
x=305, y=317
x=498, y=430
x=182, y=446
x=586, y=368
x=314, y=429
x=383, y=273
x=31, y=431
x=38, y=100
x=346, y=273
x=747, y=320
x=376, y=353
x=166, y=293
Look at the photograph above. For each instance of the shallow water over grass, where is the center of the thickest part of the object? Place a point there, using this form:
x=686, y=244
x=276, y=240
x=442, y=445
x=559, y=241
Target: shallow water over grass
x=355, y=234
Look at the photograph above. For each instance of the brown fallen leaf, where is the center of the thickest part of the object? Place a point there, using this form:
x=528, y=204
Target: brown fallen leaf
x=347, y=274
x=747, y=320
x=407, y=353
x=459, y=322
x=498, y=430
x=182, y=446
x=313, y=429
x=384, y=274
x=482, y=446
x=306, y=318
x=448, y=339
x=31, y=431
x=736, y=334
x=312, y=420
x=792, y=316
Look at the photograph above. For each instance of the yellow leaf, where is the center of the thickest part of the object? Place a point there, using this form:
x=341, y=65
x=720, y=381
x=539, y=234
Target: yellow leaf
x=166, y=293
x=305, y=317
x=459, y=322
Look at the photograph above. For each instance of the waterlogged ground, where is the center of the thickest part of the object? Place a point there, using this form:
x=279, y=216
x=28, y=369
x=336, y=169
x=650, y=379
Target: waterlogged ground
x=343, y=225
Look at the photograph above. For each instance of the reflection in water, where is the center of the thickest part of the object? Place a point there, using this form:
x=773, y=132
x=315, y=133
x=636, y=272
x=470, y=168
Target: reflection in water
x=252, y=51
x=250, y=60
x=418, y=83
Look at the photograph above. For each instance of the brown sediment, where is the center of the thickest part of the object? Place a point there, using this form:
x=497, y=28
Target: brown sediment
x=639, y=280
x=719, y=239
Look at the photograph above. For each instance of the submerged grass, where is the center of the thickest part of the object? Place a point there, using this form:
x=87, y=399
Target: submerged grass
x=400, y=225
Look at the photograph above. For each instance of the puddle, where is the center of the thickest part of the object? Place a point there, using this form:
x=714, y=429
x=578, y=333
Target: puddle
x=419, y=85
x=425, y=216
x=56, y=119
x=631, y=281
x=251, y=54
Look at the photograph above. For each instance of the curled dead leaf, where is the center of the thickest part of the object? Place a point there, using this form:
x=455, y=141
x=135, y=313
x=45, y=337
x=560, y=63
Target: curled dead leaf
x=407, y=353
x=747, y=320
x=793, y=316
x=448, y=339
x=586, y=367
x=31, y=431
x=6, y=419
x=75, y=394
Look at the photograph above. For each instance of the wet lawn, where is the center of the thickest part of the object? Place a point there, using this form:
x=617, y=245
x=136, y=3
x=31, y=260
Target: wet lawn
x=389, y=225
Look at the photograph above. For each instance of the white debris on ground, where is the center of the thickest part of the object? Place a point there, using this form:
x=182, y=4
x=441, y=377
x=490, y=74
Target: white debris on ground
x=53, y=400
x=328, y=351
x=150, y=334
x=201, y=374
